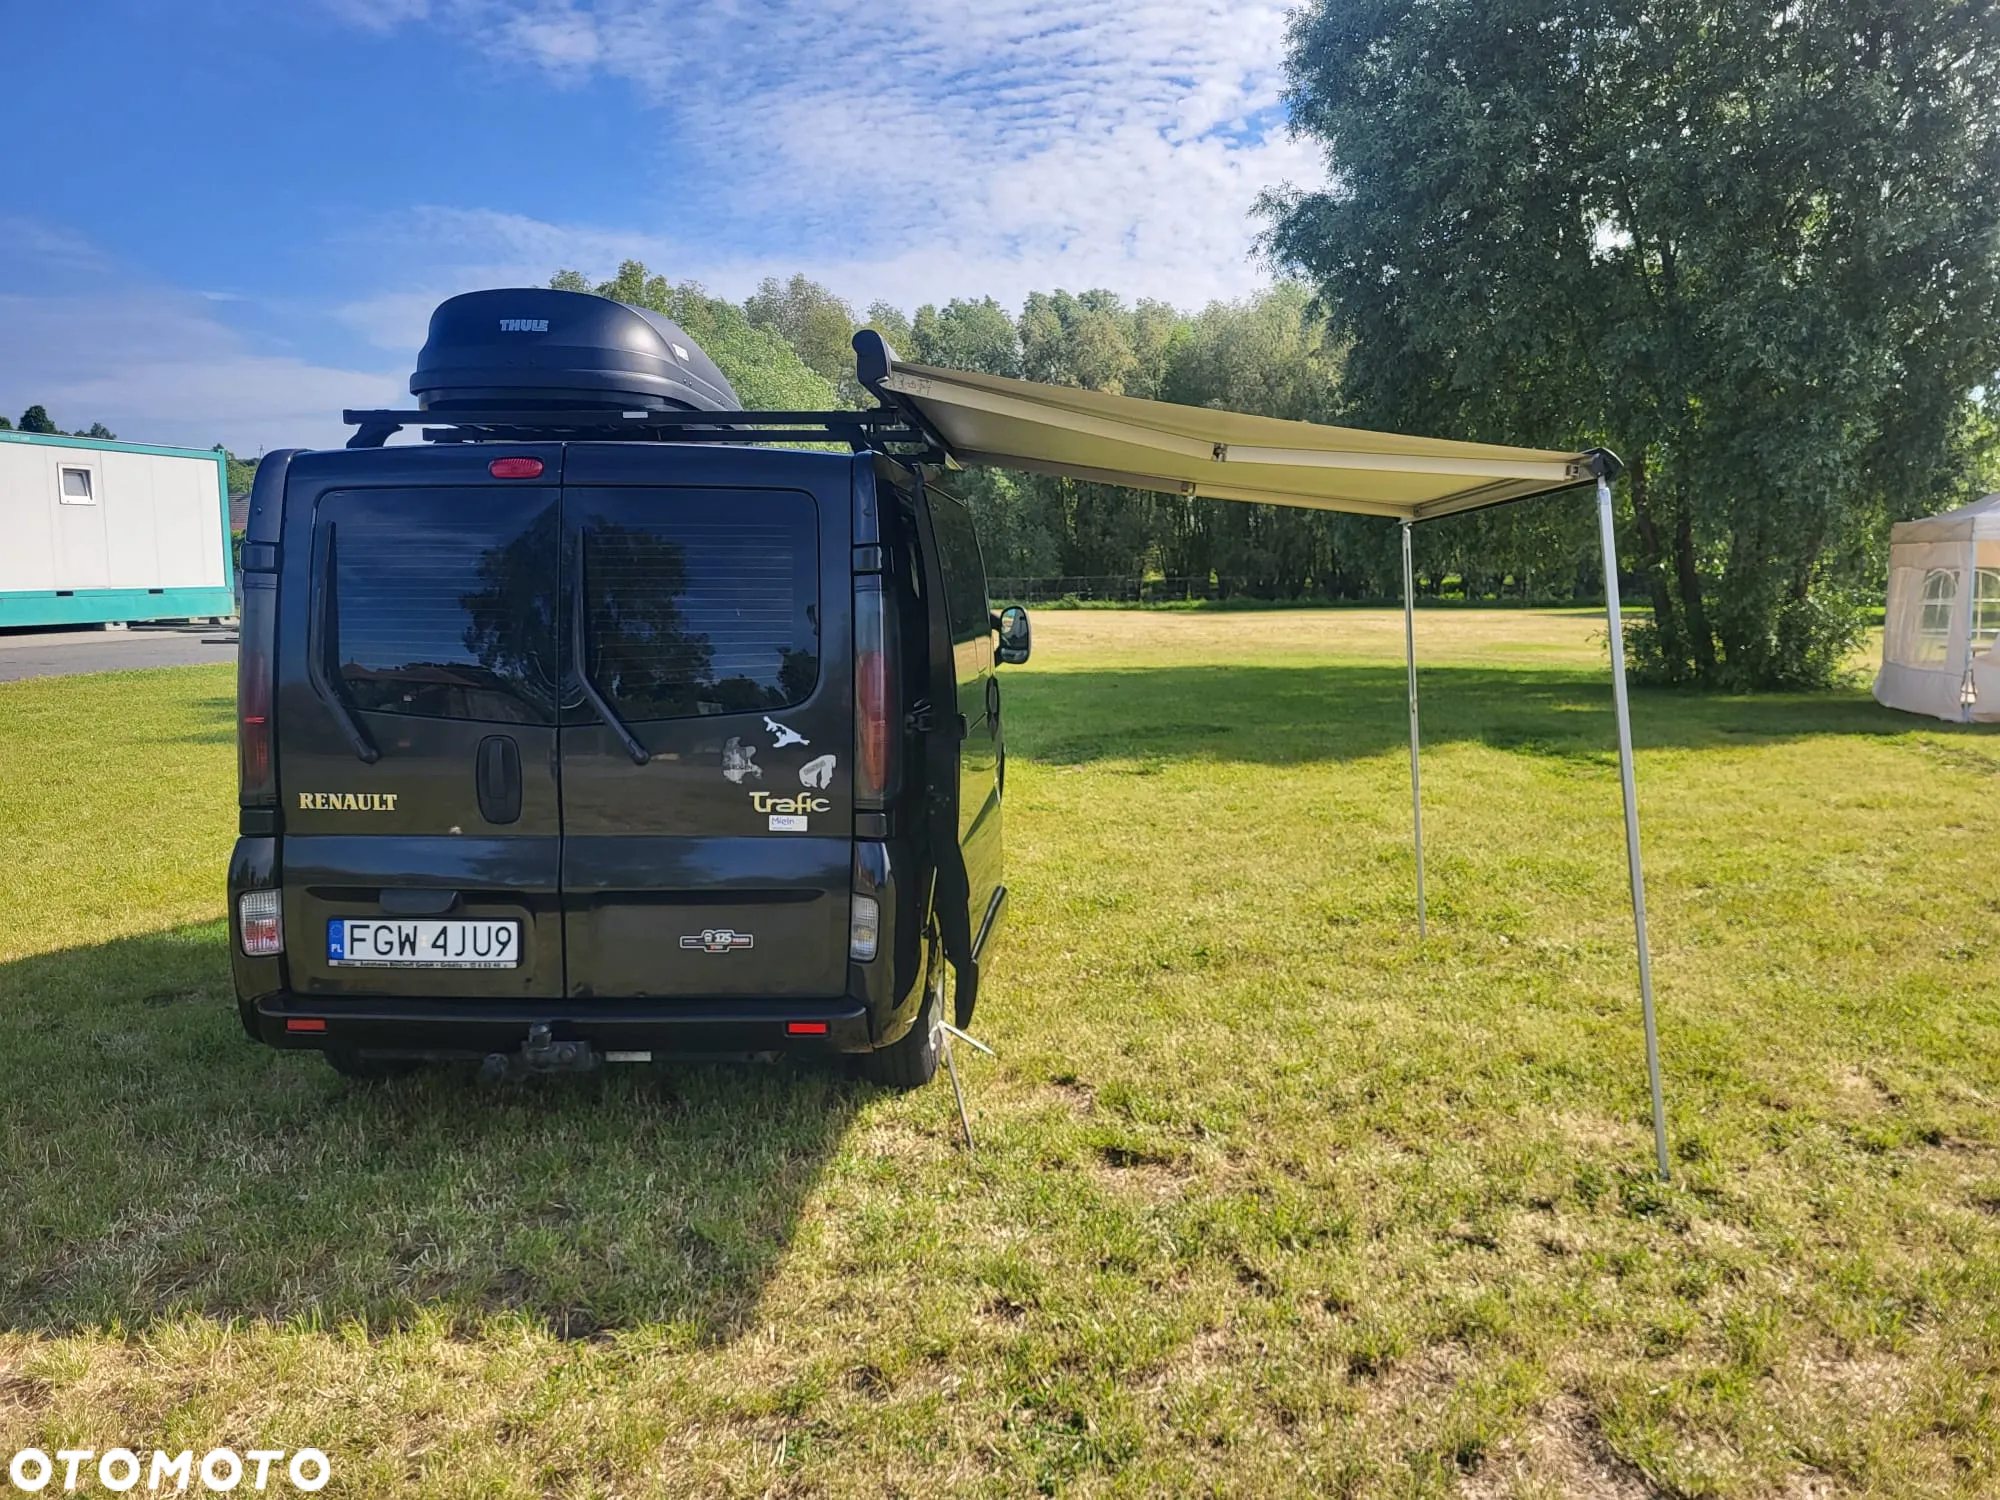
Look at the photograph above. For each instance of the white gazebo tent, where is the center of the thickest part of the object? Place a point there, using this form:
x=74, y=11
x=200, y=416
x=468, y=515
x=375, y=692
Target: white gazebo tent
x=1197, y=451
x=1941, y=629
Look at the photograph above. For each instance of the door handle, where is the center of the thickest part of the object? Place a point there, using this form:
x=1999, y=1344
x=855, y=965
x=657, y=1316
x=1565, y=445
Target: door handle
x=497, y=778
x=404, y=901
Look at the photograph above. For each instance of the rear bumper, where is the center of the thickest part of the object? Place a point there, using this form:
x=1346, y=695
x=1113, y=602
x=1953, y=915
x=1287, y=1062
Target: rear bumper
x=477, y=1028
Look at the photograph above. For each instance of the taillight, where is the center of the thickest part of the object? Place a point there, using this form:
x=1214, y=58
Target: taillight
x=515, y=468
x=262, y=924
x=256, y=781
x=864, y=928
x=874, y=693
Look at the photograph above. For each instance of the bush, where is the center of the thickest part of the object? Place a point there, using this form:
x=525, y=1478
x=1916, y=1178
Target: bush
x=1801, y=643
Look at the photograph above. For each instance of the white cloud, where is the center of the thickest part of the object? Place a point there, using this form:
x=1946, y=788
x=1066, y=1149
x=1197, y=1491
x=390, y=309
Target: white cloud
x=912, y=153
x=95, y=343
x=379, y=15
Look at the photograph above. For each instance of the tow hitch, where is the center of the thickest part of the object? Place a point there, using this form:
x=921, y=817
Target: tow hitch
x=540, y=1053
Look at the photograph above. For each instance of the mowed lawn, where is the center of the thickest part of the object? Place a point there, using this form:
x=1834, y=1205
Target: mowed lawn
x=1269, y=1197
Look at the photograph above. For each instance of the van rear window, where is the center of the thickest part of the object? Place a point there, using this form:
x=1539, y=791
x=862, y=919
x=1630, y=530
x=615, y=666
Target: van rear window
x=444, y=601
x=699, y=601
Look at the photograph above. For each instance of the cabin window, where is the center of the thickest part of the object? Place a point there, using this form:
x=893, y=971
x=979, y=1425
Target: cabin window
x=78, y=486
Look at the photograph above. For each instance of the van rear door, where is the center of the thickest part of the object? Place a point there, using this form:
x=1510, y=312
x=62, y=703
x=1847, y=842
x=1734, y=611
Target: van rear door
x=420, y=630
x=706, y=777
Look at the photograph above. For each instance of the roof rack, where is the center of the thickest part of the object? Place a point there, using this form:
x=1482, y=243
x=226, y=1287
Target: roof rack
x=877, y=429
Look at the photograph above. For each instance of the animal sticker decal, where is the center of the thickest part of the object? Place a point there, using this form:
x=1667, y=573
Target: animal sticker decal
x=781, y=736
x=738, y=761
x=817, y=772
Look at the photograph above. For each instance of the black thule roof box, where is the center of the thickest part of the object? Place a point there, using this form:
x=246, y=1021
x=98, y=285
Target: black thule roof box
x=538, y=347
x=524, y=363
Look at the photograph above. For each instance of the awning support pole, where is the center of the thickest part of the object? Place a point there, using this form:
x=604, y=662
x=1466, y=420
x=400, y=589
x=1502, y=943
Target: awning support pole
x=1638, y=874
x=1416, y=778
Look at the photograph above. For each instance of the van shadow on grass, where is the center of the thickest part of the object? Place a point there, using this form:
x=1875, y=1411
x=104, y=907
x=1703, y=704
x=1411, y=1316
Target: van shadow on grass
x=156, y=1163
x=217, y=722
x=1288, y=715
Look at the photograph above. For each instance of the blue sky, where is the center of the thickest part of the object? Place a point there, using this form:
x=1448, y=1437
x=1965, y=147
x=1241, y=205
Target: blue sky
x=223, y=221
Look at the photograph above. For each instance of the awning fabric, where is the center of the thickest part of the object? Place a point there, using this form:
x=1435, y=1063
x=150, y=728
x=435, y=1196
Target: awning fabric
x=1193, y=450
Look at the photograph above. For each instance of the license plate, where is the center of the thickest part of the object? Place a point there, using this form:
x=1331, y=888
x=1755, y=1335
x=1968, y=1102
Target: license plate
x=377, y=943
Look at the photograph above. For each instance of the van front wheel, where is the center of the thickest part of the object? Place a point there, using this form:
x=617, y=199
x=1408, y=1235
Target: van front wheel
x=911, y=1061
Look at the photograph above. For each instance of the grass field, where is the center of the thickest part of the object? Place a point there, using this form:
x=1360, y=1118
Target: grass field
x=1269, y=1197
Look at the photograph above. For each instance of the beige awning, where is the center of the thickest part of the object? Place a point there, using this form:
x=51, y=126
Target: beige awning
x=1225, y=455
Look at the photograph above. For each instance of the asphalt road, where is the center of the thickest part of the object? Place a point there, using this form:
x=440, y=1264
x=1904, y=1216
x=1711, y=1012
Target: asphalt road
x=63, y=653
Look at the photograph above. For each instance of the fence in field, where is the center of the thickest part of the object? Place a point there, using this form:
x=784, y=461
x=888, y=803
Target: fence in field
x=1130, y=588
x=1127, y=588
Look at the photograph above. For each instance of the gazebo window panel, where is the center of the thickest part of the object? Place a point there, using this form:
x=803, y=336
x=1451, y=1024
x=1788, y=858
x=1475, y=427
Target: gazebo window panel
x=1985, y=609
x=1934, y=618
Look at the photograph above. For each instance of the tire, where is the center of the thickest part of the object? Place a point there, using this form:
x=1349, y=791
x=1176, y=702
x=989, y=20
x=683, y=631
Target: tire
x=349, y=1064
x=911, y=1061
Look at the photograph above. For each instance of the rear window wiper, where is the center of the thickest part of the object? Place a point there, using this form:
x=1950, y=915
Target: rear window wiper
x=577, y=646
x=319, y=656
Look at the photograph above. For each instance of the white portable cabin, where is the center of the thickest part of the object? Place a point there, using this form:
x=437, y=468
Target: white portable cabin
x=1941, y=629
x=95, y=532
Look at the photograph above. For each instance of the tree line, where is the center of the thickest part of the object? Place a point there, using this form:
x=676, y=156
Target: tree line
x=36, y=419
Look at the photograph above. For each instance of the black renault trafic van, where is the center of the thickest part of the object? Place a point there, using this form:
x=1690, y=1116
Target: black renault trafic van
x=599, y=727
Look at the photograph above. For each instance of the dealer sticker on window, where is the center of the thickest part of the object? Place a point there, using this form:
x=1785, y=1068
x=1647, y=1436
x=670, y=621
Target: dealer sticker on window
x=787, y=823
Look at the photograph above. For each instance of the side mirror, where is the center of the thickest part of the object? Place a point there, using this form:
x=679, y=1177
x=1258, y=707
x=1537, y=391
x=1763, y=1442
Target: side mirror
x=1015, y=640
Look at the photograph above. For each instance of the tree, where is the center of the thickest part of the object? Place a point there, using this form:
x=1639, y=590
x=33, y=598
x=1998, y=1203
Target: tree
x=764, y=369
x=892, y=323
x=817, y=324
x=1755, y=248
x=1093, y=340
x=966, y=335
x=242, y=472
x=36, y=419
